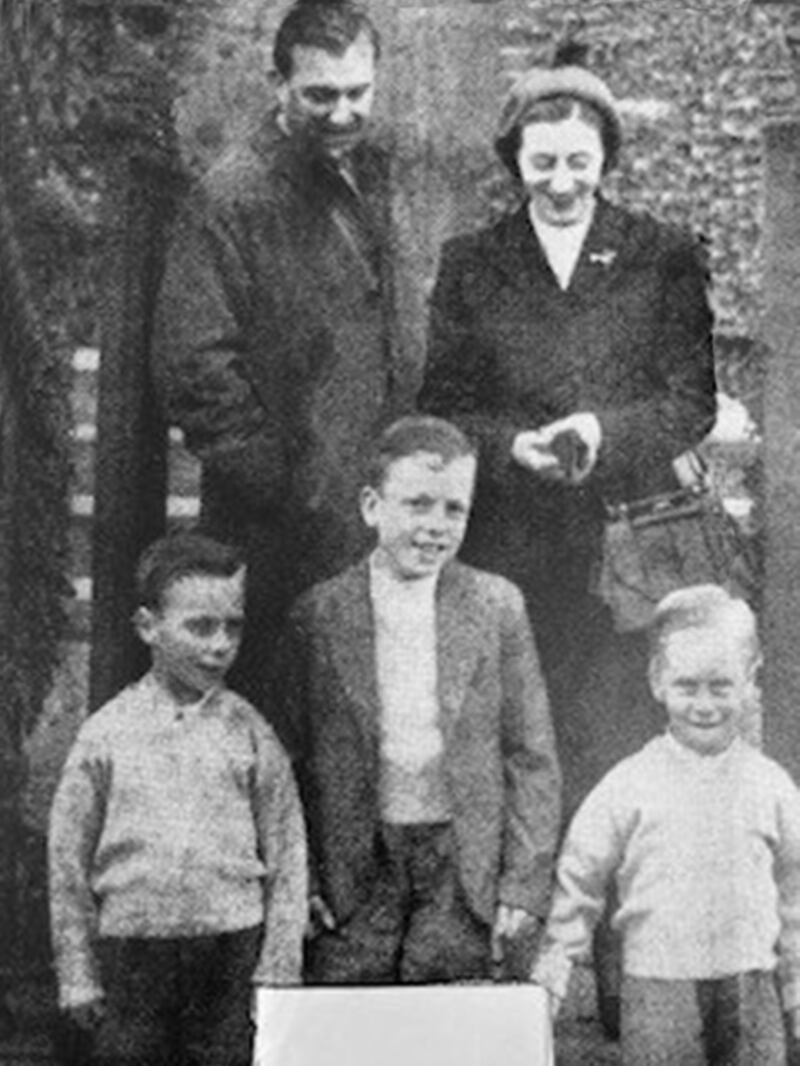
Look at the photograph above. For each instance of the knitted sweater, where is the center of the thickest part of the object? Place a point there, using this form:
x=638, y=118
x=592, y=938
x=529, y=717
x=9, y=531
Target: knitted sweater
x=705, y=852
x=175, y=822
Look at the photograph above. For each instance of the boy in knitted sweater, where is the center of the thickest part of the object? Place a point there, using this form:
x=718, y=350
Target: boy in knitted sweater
x=177, y=848
x=701, y=834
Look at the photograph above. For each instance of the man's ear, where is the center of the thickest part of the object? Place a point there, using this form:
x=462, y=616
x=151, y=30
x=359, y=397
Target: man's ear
x=144, y=622
x=368, y=501
x=280, y=87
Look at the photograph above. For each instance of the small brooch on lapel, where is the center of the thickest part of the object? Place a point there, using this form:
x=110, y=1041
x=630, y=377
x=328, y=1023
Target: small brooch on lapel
x=605, y=258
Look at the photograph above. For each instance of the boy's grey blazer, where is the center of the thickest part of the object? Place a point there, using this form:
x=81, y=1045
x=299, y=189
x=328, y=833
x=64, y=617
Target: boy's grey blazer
x=500, y=758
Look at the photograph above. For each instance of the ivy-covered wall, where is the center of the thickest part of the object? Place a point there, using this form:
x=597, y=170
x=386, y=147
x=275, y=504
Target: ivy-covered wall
x=697, y=80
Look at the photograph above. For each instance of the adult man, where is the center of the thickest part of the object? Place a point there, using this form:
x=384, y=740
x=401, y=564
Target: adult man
x=275, y=350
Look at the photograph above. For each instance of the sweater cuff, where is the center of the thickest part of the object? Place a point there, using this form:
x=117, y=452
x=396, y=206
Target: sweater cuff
x=70, y=997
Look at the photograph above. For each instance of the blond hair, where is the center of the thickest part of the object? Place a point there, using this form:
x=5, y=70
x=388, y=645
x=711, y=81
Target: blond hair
x=709, y=607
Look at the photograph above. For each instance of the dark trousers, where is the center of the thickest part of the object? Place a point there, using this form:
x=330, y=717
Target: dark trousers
x=415, y=928
x=177, y=1002
x=733, y=1021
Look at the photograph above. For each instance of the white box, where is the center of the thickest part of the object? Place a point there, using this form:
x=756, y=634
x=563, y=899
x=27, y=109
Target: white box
x=432, y=1025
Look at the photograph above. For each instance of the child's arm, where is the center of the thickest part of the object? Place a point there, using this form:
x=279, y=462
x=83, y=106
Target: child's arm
x=787, y=878
x=282, y=844
x=591, y=855
x=532, y=781
x=76, y=821
x=288, y=702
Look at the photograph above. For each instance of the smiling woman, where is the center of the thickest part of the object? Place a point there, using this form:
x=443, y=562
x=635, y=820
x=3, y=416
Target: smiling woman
x=572, y=340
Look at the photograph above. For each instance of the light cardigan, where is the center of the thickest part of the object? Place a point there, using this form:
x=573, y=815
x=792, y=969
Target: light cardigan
x=705, y=852
x=174, y=821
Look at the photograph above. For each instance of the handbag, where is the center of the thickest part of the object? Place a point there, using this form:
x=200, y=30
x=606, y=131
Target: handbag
x=655, y=545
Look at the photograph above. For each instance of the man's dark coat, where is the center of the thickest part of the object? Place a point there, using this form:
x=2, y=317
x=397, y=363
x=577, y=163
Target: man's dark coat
x=275, y=353
x=500, y=765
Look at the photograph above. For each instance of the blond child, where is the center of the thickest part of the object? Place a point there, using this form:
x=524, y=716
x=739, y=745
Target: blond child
x=700, y=833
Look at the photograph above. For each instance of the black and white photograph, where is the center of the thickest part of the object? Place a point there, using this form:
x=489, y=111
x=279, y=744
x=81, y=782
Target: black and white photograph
x=400, y=532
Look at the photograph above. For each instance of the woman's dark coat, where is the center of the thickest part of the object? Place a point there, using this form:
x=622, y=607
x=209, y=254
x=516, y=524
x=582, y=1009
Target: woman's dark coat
x=630, y=341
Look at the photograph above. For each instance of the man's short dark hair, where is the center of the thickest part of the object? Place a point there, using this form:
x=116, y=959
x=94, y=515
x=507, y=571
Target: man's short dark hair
x=178, y=555
x=331, y=26
x=413, y=434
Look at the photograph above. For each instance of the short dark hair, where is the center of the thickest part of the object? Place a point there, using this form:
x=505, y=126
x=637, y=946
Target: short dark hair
x=179, y=555
x=331, y=26
x=557, y=108
x=413, y=434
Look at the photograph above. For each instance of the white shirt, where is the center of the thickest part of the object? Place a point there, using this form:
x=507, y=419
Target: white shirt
x=412, y=746
x=561, y=245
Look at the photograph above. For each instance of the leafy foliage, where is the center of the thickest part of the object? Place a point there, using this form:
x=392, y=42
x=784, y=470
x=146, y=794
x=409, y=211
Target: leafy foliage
x=34, y=366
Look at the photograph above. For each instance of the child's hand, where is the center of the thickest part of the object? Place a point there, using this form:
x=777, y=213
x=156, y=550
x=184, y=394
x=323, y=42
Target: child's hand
x=320, y=917
x=509, y=923
x=554, y=1003
x=87, y=1016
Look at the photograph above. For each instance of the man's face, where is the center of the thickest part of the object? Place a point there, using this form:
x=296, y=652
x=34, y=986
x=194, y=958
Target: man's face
x=560, y=164
x=329, y=97
x=420, y=512
x=195, y=634
x=704, y=680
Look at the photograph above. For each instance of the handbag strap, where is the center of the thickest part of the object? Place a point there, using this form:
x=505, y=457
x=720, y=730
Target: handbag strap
x=695, y=489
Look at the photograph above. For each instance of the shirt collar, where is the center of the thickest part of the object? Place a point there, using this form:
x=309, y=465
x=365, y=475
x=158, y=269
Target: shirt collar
x=558, y=236
x=161, y=699
x=381, y=579
x=709, y=764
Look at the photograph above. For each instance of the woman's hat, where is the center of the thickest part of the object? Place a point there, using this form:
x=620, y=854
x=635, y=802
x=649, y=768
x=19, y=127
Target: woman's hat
x=566, y=77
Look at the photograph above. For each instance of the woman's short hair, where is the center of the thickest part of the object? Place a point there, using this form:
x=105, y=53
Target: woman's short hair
x=552, y=95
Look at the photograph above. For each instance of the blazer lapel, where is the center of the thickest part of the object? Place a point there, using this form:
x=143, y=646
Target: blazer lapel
x=458, y=614
x=353, y=652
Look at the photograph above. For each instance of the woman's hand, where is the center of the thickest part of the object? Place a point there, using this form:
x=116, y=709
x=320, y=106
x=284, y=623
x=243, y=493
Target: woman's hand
x=531, y=450
x=565, y=450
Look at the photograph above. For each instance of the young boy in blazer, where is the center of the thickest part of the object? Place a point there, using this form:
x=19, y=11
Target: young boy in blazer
x=414, y=708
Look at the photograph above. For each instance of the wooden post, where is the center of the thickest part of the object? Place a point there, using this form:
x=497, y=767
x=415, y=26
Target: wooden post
x=136, y=139
x=441, y=87
x=781, y=332
x=130, y=465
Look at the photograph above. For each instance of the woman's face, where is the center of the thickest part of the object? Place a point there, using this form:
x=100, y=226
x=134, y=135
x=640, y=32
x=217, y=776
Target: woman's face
x=560, y=164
